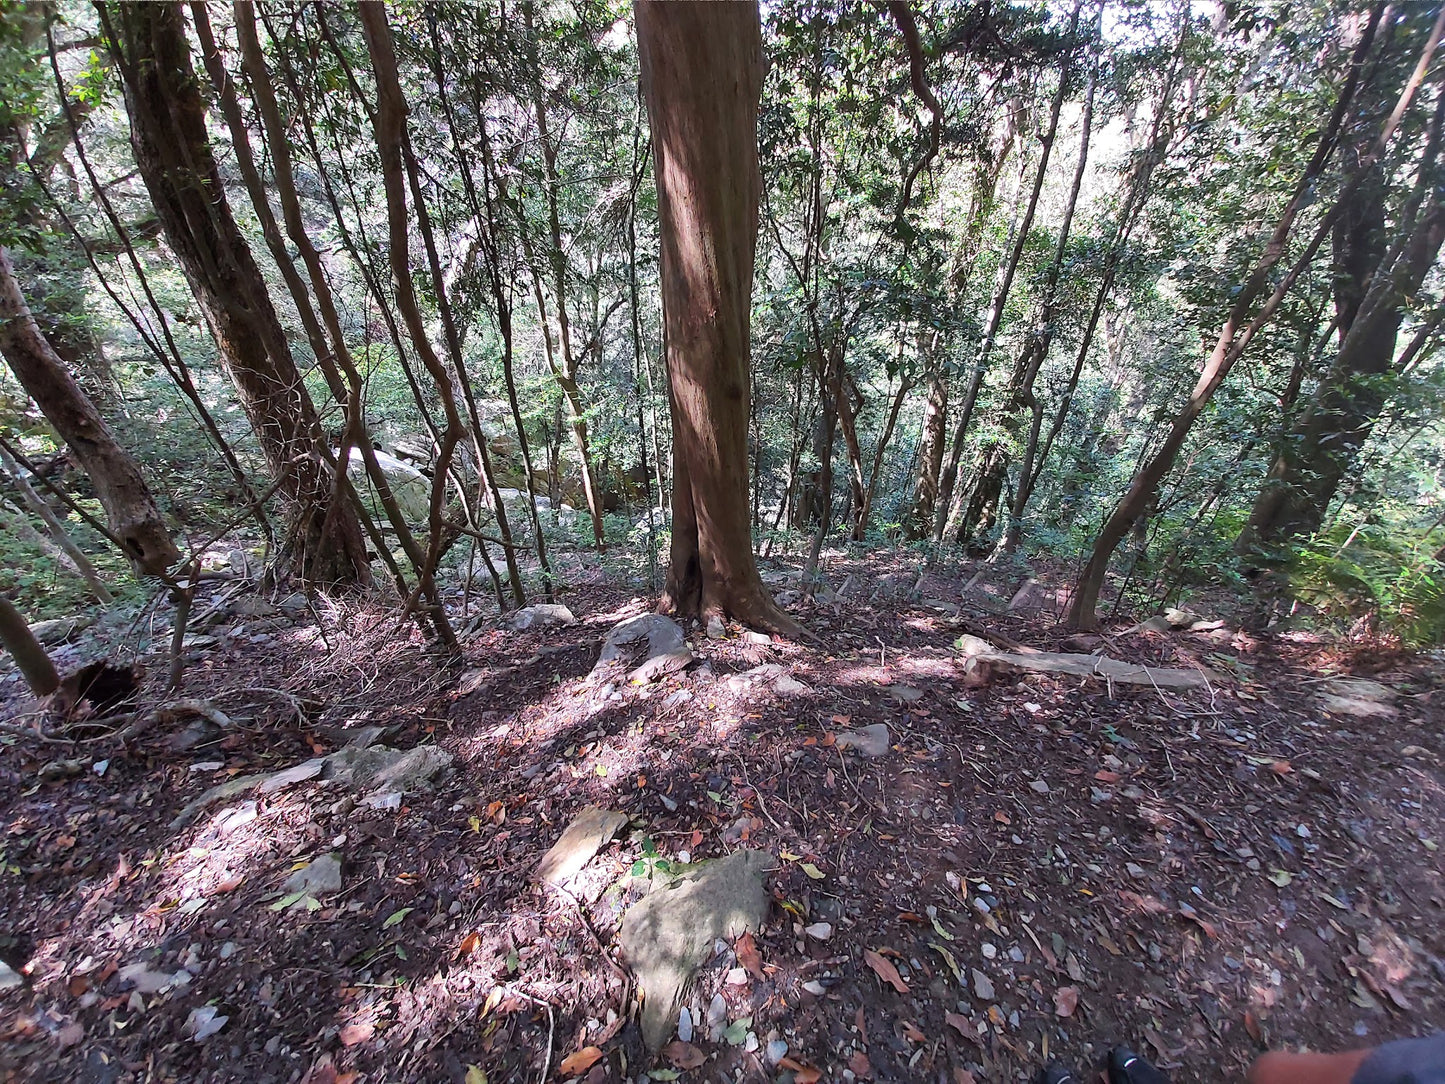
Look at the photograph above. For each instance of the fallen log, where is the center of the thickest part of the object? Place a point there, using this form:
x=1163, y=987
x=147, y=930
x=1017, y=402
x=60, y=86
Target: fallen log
x=980, y=662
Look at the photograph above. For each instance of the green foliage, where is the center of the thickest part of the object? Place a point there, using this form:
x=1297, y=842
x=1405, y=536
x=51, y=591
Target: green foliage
x=1374, y=572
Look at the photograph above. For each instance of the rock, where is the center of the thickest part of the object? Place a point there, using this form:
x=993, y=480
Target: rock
x=788, y=597
x=776, y=1051
x=670, y=932
x=203, y=1022
x=589, y=832
x=1157, y=623
x=57, y=629
x=717, y=1017
x=1359, y=697
x=293, y=604
x=382, y=769
x=1179, y=618
x=9, y=977
x=298, y=773
x=906, y=693
x=752, y=636
x=787, y=685
x=982, y=985
x=684, y=1025
x=1038, y=786
x=820, y=931
x=664, y=636
x=814, y=987
x=410, y=487
x=716, y=630
x=147, y=981
x=320, y=877
x=252, y=606
x=871, y=741
x=541, y=615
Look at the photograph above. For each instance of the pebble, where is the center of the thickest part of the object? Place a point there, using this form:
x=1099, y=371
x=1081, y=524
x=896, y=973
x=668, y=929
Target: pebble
x=820, y=931
x=738, y=976
x=814, y=987
x=684, y=1025
x=777, y=1050
x=989, y=950
x=1038, y=786
x=982, y=986
x=228, y=950
x=1016, y=954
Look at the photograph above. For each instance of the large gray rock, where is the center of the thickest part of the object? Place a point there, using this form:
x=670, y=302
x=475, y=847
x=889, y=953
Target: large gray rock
x=872, y=741
x=382, y=769
x=1359, y=697
x=667, y=650
x=671, y=931
x=410, y=487
x=321, y=877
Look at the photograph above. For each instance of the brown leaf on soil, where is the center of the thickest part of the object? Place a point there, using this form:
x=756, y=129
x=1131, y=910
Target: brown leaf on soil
x=963, y=1026
x=1002, y=817
x=1251, y=1025
x=912, y=1032
x=862, y=1068
x=230, y=884
x=1066, y=1000
x=468, y=945
x=78, y=985
x=808, y=1076
x=580, y=1061
x=1192, y=915
x=1281, y=767
x=683, y=1055
x=352, y=1034
x=885, y=970
x=748, y=955
x=963, y=1076
x=1106, y=776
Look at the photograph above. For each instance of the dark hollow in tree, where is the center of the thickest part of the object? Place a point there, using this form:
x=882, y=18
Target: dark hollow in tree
x=173, y=152
x=702, y=70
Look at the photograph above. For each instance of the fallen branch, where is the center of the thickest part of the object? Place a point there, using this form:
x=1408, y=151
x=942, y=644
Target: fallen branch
x=977, y=657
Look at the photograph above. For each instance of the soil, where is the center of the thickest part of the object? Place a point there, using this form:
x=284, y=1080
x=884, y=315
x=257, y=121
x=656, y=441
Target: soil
x=1040, y=867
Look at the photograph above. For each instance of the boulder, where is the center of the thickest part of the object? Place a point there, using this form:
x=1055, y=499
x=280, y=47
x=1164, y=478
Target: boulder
x=870, y=741
x=410, y=487
x=321, y=877
x=665, y=642
x=671, y=931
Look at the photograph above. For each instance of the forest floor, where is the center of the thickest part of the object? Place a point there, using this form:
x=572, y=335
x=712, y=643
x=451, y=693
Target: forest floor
x=1040, y=867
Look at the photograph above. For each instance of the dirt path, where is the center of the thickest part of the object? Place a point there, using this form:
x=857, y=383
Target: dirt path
x=1040, y=865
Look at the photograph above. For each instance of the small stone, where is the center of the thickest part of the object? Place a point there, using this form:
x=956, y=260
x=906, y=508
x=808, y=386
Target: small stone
x=717, y=1017
x=906, y=693
x=1135, y=870
x=1038, y=786
x=1016, y=954
x=989, y=951
x=9, y=977
x=788, y=685
x=982, y=985
x=753, y=637
x=820, y=931
x=716, y=630
x=321, y=877
x=871, y=741
x=684, y=1024
x=776, y=1051
x=227, y=950
x=737, y=976
x=540, y=616
x=814, y=987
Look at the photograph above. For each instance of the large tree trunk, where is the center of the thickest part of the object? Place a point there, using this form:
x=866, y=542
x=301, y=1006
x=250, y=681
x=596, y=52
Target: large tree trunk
x=1325, y=441
x=702, y=72
x=35, y=665
x=173, y=151
x=130, y=509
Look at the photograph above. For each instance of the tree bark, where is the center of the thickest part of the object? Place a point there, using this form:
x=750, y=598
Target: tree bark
x=130, y=509
x=905, y=385
x=702, y=70
x=65, y=545
x=173, y=152
x=35, y=665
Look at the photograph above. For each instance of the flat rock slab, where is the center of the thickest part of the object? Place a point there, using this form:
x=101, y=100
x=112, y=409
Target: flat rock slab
x=669, y=933
x=770, y=673
x=1359, y=697
x=871, y=741
x=1100, y=666
x=665, y=640
x=589, y=832
x=321, y=877
x=379, y=768
x=540, y=616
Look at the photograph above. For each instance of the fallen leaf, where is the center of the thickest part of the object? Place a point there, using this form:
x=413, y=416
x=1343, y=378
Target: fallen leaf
x=911, y=1031
x=395, y=917
x=683, y=1055
x=468, y=945
x=1251, y=1025
x=1066, y=1000
x=862, y=1068
x=1106, y=776
x=352, y=1034
x=885, y=970
x=1281, y=877
x=78, y=985
x=1193, y=916
x=1280, y=767
x=963, y=1026
x=580, y=1061
x=807, y=1076
x=1002, y=817
x=812, y=871
x=475, y=1075
x=748, y=955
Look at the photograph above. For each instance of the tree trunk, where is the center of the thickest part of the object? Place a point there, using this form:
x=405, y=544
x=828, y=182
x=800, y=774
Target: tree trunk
x=35, y=665
x=702, y=71
x=1325, y=441
x=847, y=424
x=173, y=152
x=1234, y=336
x=130, y=509
x=918, y=524
x=905, y=385
x=72, y=553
